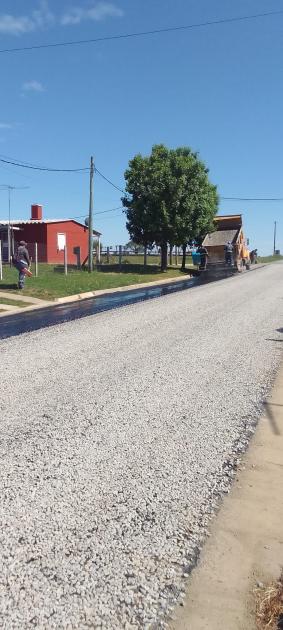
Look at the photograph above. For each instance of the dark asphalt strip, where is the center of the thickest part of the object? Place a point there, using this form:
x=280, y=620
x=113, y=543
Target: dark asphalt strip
x=20, y=323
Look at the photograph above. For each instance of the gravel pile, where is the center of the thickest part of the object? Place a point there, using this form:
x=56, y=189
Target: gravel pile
x=119, y=433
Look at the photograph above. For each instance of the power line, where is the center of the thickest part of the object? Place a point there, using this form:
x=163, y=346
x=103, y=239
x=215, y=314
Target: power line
x=27, y=165
x=109, y=182
x=42, y=168
x=82, y=216
x=252, y=198
x=119, y=214
x=158, y=31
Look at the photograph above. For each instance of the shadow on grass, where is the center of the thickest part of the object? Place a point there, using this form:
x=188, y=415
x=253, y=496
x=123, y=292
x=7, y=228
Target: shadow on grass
x=135, y=269
x=71, y=268
x=10, y=286
x=124, y=268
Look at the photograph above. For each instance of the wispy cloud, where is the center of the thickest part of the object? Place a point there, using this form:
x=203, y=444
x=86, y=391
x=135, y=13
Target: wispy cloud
x=99, y=11
x=33, y=86
x=42, y=17
x=6, y=125
x=18, y=25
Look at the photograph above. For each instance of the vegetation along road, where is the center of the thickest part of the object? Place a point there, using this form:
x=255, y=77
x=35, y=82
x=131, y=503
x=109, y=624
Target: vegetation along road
x=119, y=433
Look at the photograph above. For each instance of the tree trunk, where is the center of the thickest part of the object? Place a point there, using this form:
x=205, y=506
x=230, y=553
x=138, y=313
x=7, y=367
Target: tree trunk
x=171, y=256
x=145, y=256
x=184, y=247
x=164, y=256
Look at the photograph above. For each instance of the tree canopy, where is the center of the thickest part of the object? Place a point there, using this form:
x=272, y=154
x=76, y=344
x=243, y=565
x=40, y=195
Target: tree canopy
x=169, y=200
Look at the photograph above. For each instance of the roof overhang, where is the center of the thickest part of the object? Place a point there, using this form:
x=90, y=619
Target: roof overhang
x=5, y=227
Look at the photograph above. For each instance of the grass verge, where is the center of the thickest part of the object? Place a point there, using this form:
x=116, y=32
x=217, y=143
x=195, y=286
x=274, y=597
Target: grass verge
x=269, y=259
x=52, y=283
x=14, y=302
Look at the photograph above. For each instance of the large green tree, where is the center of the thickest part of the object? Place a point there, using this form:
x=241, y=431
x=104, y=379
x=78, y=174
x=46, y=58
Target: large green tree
x=170, y=199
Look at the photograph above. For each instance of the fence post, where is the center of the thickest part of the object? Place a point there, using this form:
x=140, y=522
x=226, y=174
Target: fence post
x=98, y=252
x=145, y=256
x=108, y=255
x=120, y=257
x=65, y=260
x=1, y=266
x=176, y=256
x=36, y=260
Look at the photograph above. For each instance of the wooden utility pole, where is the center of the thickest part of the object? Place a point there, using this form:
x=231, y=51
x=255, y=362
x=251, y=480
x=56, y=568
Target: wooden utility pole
x=65, y=260
x=10, y=231
x=36, y=259
x=1, y=266
x=274, y=245
x=90, y=218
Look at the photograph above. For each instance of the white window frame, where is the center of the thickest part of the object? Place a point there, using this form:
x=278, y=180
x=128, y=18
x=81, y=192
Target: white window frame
x=60, y=246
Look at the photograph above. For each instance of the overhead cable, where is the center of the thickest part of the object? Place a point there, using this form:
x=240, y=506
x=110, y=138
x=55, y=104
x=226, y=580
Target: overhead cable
x=157, y=31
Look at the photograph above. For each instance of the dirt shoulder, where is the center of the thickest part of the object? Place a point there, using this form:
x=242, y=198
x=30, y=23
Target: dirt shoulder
x=246, y=541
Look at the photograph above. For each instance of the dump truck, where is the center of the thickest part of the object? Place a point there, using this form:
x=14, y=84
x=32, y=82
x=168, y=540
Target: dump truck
x=228, y=228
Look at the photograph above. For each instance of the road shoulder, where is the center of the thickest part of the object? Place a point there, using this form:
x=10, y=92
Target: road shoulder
x=246, y=538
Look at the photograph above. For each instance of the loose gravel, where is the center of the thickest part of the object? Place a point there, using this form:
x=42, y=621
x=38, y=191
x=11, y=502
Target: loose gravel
x=119, y=433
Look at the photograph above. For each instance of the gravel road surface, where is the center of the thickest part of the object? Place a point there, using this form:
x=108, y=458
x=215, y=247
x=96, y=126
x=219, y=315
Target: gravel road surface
x=119, y=432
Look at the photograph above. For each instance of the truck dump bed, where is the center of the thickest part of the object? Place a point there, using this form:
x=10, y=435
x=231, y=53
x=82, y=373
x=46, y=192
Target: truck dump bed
x=227, y=228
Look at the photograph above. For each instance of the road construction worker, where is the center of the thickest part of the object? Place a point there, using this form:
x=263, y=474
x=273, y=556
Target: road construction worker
x=229, y=253
x=203, y=256
x=21, y=260
x=253, y=257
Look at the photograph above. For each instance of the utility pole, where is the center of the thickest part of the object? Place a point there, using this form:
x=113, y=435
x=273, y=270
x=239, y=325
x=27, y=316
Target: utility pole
x=10, y=240
x=274, y=246
x=9, y=227
x=90, y=218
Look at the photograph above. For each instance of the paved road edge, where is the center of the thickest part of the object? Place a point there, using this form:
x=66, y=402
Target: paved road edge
x=246, y=541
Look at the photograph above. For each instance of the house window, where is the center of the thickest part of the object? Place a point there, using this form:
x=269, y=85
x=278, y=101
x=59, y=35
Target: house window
x=61, y=242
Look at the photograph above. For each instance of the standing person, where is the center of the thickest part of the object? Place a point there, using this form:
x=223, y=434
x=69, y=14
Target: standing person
x=229, y=253
x=22, y=262
x=203, y=256
x=253, y=257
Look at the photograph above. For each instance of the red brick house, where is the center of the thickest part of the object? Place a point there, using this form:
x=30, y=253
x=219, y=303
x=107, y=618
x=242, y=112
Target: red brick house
x=51, y=236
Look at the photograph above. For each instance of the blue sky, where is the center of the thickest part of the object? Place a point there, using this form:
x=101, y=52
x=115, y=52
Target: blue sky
x=218, y=89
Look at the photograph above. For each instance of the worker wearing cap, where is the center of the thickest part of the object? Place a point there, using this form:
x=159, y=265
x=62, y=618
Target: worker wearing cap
x=203, y=256
x=22, y=263
x=229, y=253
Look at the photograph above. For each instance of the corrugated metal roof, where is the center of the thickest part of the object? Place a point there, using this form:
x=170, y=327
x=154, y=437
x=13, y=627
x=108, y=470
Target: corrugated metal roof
x=221, y=237
x=43, y=221
x=31, y=221
x=219, y=217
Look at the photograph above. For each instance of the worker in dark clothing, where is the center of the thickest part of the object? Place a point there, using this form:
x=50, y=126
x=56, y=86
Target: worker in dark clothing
x=229, y=253
x=22, y=262
x=203, y=256
x=253, y=257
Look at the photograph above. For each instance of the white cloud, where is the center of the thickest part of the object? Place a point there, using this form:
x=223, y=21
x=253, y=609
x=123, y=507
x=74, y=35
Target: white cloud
x=6, y=126
x=33, y=86
x=98, y=12
x=11, y=25
x=18, y=25
x=42, y=17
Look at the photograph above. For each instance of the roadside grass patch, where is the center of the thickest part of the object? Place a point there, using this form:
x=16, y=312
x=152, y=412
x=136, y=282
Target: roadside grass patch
x=269, y=606
x=269, y=259
x=51, y=282
x=18, y=303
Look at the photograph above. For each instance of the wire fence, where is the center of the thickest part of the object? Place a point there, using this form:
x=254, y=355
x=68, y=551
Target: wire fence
x=123, y=256
x=118, y=257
